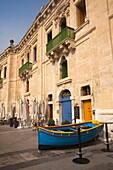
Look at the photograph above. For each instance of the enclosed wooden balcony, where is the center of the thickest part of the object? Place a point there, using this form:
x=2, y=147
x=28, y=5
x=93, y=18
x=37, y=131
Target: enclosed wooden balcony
x=25, y=70
x=65, y=37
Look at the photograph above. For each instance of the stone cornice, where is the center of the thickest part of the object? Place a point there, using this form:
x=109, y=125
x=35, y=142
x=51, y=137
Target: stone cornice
x=62, y=10
x=36, y=24
x=39, y=20
x=64, y=81
x=8, y=51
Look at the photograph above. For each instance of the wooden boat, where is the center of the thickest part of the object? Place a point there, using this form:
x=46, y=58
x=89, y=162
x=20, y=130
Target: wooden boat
x=67, y=135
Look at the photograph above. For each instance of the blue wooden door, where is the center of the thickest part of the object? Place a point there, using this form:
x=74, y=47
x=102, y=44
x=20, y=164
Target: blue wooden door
x=66, y=107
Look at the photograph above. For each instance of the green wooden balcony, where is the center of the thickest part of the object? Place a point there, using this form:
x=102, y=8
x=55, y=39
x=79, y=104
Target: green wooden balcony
x=26, y=67
x=66, y=33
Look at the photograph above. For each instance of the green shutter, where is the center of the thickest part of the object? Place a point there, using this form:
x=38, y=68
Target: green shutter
x=64, y=69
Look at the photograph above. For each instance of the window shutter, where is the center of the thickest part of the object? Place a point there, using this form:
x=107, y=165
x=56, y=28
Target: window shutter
x=64, y=69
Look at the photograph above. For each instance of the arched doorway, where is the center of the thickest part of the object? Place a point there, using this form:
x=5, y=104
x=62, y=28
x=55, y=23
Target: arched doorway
x=66, y=106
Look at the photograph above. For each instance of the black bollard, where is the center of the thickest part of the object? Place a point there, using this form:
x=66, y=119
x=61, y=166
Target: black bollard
x=107, y=140
x=80, y=160
x=79, y=144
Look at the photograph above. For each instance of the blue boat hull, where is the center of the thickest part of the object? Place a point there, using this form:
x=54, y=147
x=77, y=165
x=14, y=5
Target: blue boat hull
x=57, y=137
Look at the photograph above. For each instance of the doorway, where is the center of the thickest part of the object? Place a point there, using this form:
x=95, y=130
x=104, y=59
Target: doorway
x=87, y=110
x=50, y=111
x=66, y=106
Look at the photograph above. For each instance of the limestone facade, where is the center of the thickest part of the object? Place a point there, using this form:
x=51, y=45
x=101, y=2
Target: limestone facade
x=82, y=51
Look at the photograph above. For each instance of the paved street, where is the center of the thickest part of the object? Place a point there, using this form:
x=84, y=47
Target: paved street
x=18, y=150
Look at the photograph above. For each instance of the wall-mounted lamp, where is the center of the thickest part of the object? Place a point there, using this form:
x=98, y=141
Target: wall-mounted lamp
x=93, y=112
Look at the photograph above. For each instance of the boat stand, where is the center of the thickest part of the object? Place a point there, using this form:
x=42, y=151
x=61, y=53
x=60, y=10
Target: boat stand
x=80, y=160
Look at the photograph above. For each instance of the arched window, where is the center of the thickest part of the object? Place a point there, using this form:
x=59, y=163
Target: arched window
x=63, y=23
x=66, y=93
x=64, y=69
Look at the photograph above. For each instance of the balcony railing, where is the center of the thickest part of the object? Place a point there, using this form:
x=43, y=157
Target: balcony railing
x=66, y=33
x=26, y=67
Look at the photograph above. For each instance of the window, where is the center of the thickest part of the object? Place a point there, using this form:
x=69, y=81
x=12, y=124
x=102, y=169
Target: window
x=22, y=62
x=28, y=57
x=85, y=90
x=66, y=93
x=81, y=12
x=49, y=36
x=0, y=73
x=64, y=71
x=27, y=86
x=35, y=53
x=28, y=108
x=5, y=72
x=50, y=97
x=63, y=23
x=50, y=110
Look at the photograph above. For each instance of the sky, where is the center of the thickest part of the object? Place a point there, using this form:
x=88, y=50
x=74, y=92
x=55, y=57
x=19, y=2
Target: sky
x=16, y=17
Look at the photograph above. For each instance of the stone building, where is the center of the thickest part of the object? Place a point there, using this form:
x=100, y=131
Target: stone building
x=64, y=64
